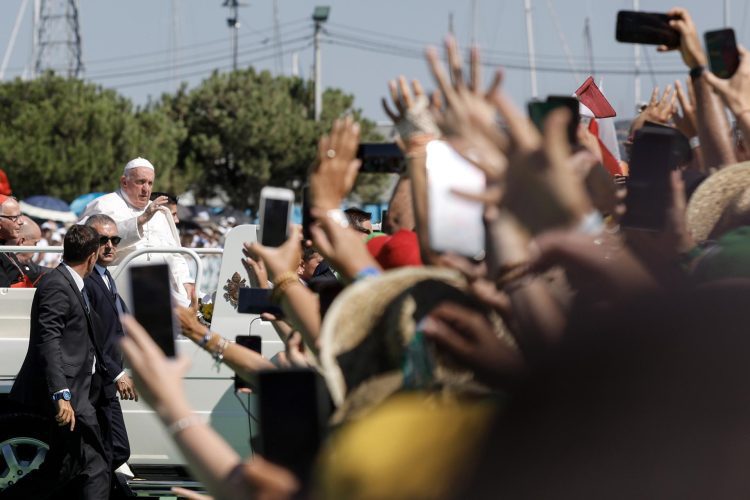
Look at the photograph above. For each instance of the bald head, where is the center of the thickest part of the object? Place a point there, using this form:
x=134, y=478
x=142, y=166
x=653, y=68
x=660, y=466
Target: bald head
x=28, y=236
x=10, y=219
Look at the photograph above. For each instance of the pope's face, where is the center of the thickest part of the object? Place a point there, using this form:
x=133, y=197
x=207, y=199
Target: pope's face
x=137, y=184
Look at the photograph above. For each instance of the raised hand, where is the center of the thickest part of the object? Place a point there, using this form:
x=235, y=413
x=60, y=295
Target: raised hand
x=690, y=46
x=735, y=92
x=333, y=177
x=468, y=121
x=281, y=259
x=412, y=116
x=687, y=122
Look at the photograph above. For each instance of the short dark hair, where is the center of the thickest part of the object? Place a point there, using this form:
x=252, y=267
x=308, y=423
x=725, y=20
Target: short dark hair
x=357, y=217
x=99, y=219
x=79, y=243
x=308, y=253
x=171, y=199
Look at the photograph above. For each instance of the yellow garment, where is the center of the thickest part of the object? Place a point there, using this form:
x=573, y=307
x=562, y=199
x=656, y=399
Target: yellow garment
x=414, y=446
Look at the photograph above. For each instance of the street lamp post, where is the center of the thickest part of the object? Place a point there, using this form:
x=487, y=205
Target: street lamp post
x=320, y=15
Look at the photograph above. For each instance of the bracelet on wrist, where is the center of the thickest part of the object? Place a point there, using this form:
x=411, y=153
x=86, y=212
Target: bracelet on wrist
x=281, y=283
x=183, y=423
x=367, y=272
x=218, y=355
x=206, y=338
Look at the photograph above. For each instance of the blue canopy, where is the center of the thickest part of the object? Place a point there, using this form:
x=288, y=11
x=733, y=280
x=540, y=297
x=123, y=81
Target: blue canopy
x=79, y=204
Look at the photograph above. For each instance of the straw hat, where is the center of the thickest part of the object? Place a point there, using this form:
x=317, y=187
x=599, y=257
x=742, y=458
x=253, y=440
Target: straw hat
x=720, y=203
x=368, y=333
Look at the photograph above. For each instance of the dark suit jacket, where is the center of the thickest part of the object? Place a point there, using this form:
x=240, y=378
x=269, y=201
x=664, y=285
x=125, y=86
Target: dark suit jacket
x=103, y=302
x=62, y=346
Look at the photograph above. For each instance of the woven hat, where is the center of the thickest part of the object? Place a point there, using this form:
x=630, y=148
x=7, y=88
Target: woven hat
x=721, y=202
x=370, y=327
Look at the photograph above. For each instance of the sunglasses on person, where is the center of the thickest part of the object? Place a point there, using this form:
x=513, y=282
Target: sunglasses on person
x=114, y=239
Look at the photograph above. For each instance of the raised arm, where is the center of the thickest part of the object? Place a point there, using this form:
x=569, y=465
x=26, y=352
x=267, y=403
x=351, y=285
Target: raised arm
x=713, y=128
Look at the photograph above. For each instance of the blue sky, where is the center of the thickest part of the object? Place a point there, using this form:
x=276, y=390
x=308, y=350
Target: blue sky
x=127, y=43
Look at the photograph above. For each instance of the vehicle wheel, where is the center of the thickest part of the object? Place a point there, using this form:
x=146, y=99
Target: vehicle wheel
x=24, y=443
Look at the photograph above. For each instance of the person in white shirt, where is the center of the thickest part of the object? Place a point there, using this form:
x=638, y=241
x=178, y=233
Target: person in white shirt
x=142, y=223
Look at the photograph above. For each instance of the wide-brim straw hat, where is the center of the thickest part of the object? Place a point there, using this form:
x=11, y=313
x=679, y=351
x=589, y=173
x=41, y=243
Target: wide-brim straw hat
x=369, y=327
x=724, y=195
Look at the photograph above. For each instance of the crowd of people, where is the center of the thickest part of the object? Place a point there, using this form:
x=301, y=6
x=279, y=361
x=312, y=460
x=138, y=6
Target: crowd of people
x=577, y=357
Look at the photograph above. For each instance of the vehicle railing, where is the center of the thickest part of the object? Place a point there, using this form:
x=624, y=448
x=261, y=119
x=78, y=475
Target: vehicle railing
x=194, y=253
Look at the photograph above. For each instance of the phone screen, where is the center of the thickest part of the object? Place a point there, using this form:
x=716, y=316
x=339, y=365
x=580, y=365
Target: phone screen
x=257, y=301
x=275, y=218
x=455, y=223
x=380, y=158
x=649, y=191
x=152, y=304
x=723, y=56
x=252, y=342
x=646, y=27
x=538, y=111
x=293, y=409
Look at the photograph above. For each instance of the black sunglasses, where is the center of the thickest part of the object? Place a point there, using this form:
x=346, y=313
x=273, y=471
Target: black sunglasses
x=114, y=239
x=12, y=218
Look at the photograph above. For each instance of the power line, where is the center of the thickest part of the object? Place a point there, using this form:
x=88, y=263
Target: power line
x=381, y=37
x=203, y=72
x=352, y=42
x=195, y=62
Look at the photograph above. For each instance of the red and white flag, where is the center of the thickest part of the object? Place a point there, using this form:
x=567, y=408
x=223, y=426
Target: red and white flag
x=595, y=106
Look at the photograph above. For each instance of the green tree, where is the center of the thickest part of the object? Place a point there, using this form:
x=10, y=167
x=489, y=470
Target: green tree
x=249, y=129
x=65, y=137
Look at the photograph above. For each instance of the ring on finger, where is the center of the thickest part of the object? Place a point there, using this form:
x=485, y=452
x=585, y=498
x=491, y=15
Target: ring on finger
x=331, y=153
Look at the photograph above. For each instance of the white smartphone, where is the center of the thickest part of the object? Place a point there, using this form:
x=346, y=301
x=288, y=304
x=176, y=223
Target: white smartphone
x=275, y=215
x=454, y=223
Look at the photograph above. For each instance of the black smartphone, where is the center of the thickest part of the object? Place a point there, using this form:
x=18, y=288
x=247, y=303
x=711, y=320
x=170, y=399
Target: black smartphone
x=646, y=27
x=252, y=342
x=381, y=158
x=538, y=111
x=723, y=56
x=293, y=411
x=275, y=215
x=257, y=301
x=681, y=153
x=151, y=302
x=307, y=218
x=649, y=193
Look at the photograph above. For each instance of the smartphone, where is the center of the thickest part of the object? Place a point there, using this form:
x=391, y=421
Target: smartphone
x=646, y=27
x=252, y=342
x=307, y=218
x=381, y=158
x=649, y=193
x=293, y=411
x=681, y=152
x=538, y=111
x=257, y=301
x=275, y=215
x=455, y=224
x=723, y=56
x=151, y=301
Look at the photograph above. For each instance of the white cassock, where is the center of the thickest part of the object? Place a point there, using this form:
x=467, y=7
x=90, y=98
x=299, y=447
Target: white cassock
x=160, y=231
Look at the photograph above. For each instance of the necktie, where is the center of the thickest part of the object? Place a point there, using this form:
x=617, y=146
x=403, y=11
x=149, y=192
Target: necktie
x=113, y=289
x=86, y=301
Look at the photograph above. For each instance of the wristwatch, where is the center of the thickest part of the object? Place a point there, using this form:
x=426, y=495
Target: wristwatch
x=696, y=72
x=64, y=394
